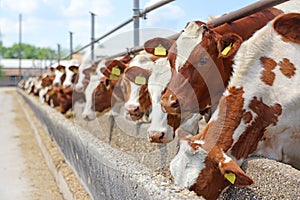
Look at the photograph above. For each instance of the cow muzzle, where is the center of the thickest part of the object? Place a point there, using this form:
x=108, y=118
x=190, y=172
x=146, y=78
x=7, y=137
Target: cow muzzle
x=133, y=113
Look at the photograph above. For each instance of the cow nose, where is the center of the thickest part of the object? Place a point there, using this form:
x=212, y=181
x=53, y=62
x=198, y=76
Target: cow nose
x=132, y=108
x=156, y=136
x=79, y=88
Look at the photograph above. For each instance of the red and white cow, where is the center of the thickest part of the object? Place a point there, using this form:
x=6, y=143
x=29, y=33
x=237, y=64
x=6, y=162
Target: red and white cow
x=71, y=73
x=258, y=114
x=60, y=75
x=94, y=80
x=201, y=60
x=137, y=99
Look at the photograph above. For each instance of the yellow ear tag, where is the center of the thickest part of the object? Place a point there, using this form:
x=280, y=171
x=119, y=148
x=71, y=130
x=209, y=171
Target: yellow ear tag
x=226, y=50
x=113, y=77
x=75, y=71
x=230, y=177
x=91, y=73
x=116, y=71
x=140, y=80
x=52, y=92
x=160, y=50
x=62, y=70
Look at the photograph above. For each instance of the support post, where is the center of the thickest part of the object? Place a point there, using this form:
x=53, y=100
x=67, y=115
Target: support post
x=92, y=34
x=71, y=45
x=58, y=53
x=136, y=23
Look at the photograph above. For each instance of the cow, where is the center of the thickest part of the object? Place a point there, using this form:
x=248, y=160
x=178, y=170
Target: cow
x=71, y=73
x=60, y=75
x=97, y=80
x=94, y=80
x=258, y=114
x=201, y=61
x=162, y=126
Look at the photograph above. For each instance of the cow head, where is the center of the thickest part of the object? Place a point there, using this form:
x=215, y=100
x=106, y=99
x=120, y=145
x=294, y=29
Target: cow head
x=60, y=75
x=137, y=97
x=108, y=91
x=205, y=171
x=201, y=62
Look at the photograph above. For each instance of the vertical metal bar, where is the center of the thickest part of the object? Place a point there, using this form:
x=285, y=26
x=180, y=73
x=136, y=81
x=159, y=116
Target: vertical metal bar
x=20, y=46
x=136, y=23
x=71, y=45
x=92, y=34
x=58, y=53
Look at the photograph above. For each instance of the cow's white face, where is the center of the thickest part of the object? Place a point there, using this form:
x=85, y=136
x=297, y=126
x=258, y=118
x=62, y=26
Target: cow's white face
x=69, y=76
x=58, y=75
x=79, y=87
x=88, y=113
x=159, y=130
x=187, y=164
x=186, y=43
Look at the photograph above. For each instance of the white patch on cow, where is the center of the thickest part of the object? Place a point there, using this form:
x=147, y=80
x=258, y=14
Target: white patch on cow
x=134, y=94
x=186, y=43
x=58, y=75
x=42, y=93
x=201, y=142
x=187, y=164
x=158, y=81
x=88, y=113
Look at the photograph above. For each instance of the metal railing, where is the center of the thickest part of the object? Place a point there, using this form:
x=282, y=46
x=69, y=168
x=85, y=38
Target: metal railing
x=140, y=14
x=227, y=18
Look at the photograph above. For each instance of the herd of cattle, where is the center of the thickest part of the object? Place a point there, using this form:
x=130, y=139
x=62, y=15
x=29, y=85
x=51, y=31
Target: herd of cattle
x=242, y=78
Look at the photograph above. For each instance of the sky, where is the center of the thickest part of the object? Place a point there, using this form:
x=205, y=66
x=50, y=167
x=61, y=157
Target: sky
x=46, y=23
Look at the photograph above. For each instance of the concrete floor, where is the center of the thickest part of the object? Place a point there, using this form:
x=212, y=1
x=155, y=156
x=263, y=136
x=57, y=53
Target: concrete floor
x=13, y=182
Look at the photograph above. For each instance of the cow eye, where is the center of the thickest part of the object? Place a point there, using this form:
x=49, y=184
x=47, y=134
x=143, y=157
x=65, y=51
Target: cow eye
x=203, y=61
x=97, y=94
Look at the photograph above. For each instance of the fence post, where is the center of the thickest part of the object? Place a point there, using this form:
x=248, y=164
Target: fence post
x=71, y=45
x=58, y=53
x=136, y=23
x=92, y=34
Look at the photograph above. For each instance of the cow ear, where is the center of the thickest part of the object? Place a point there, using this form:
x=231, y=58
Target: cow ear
x=74, y=69
x=158, y=46
x=137, y=75
x=233, y=173
x=228, y=44
x=288, y=27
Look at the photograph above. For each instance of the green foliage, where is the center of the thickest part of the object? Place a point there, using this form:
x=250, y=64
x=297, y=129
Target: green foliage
x=1, y=72
x=28, y=52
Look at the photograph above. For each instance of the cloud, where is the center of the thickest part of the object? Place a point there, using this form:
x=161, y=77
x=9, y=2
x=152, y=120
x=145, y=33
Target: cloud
x=78, y=8
x=163, y=14
x=25, y=7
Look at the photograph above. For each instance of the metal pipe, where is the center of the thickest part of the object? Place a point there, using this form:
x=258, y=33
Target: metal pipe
x=245, y=11
x=141, y=14
x=235, y=15
x=136, y=23
x=71, y=45
x=92, y=34
x=58, y=53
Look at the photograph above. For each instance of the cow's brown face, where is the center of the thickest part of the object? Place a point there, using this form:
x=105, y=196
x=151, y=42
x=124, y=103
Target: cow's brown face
x=103, y=95
x=137, y=97
x=199, y=78
x=48, y=80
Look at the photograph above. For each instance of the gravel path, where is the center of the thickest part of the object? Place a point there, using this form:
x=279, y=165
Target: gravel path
x=24, y=174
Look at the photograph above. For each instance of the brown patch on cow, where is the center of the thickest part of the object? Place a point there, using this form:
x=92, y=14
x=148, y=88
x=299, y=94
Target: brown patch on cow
x=288, y=27
x=247, y=117
x=230, y=116
x=268, y=76
x=287, y=68
x=266, y=116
